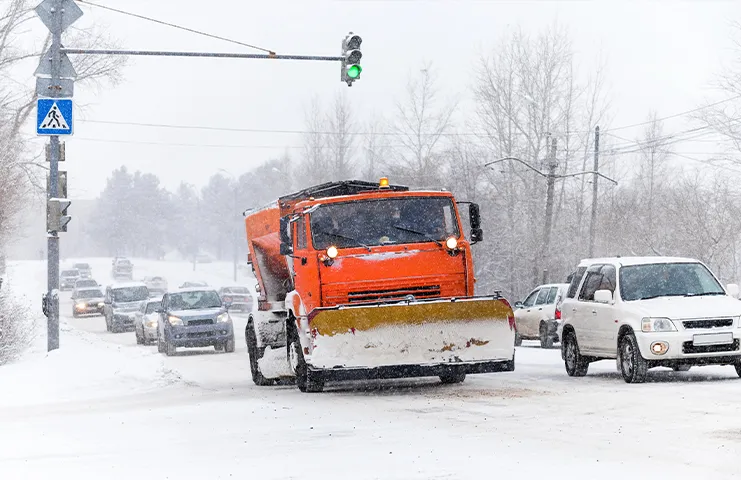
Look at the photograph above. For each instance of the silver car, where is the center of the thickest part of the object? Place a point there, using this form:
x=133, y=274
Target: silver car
x=145, y=322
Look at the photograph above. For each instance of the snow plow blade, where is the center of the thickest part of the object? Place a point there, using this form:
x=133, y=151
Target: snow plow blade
x=416, y=338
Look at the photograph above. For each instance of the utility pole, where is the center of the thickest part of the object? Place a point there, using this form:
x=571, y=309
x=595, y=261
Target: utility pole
x=551, y=182
x=235, y=234
x=593, y=223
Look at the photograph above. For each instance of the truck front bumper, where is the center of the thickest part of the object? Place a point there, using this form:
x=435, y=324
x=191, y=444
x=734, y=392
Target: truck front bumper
x=201, y=335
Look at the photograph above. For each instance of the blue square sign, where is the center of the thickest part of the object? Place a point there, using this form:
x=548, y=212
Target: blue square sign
x=54, y=116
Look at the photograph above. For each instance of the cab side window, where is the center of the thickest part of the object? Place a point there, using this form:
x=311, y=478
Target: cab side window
x=609, y=280
x=542, y=296
x=301, y=242
x=530, y=300
x=552, y=294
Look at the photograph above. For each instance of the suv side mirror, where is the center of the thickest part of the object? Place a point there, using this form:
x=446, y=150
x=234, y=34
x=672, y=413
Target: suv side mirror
x=474, y=213
x=285, y=238
x=732, y=290
x=603, y=296
x=519, y=305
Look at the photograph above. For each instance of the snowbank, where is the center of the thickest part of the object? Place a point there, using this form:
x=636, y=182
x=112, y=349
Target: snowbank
x=83, y=368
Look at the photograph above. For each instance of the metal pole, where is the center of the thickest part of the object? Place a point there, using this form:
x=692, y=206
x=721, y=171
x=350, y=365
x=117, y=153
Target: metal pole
x=552, y=165
x=52, y=262
x=234, y=236
x=593, y=223
x=161, y=53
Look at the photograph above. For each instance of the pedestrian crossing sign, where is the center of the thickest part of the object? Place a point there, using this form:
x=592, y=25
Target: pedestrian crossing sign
x=54, y=116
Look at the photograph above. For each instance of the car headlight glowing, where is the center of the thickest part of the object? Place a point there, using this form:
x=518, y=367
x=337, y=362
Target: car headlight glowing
x=175, y=320
x=657, y=324
x=151, y=323
x=332, y=252
x=223, y=318
x=451, y=243
x=81, y=305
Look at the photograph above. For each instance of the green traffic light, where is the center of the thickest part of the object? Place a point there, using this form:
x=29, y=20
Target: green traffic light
x=354, y=71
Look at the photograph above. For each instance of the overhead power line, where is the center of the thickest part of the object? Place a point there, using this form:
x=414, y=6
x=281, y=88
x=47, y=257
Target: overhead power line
x=179, y=27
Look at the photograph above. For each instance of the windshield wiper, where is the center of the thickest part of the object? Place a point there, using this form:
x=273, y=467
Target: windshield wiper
x=703, y=294
x=419, y=233
x=650, y=297
x=346, y=238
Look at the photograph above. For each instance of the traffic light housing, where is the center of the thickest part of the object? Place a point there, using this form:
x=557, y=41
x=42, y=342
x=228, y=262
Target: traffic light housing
x=351, y=56
x=56, y=215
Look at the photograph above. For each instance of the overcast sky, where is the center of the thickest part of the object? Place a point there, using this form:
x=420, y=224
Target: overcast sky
x=661, y=55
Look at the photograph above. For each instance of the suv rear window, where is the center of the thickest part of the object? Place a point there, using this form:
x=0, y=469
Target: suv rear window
x=575, y=281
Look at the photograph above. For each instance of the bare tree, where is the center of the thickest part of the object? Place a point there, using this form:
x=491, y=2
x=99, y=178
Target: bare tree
x=315, y=159
x=340, y=139
x=376, y=149
x=422, y=120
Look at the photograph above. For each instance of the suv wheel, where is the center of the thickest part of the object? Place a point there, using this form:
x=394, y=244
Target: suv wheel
x=632, y=365
x=576, y=365
x=738, y=368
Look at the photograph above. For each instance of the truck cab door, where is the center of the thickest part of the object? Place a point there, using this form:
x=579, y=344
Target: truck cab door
x=304, y=263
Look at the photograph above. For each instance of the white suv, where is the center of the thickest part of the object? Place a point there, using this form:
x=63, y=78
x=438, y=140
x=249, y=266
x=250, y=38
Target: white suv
x=649, y=312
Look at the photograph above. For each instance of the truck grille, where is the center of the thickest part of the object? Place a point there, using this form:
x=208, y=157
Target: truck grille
x=710, y=323
x=429, y=291
x=201, y=322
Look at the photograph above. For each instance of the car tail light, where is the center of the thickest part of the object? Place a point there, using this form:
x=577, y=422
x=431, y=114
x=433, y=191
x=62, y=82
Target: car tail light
x=558, y=312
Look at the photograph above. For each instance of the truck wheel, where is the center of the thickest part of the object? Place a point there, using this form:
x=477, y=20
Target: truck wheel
x=546, y=341
x=632, y=365
x=255, y=353
x=518, y=339
x=576, y=365
x=307, y=381
x=454, y=377
x=230, y=346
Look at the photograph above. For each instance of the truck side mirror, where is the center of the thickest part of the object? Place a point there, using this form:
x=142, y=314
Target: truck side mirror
x=285, y=238
x=474, y=213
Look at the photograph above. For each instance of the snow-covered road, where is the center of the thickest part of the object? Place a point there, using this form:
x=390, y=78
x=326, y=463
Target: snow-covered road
x=103, y=407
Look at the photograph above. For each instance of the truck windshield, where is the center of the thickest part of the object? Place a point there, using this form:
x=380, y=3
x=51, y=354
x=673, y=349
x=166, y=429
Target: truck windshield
x=130, y=294
x=642, y=282
x=383, y=222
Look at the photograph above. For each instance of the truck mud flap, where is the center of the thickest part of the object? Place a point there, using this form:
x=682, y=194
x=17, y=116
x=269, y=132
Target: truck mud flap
x=478, y=330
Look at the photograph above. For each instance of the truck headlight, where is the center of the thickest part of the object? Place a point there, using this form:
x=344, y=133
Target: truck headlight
x=332, y=252
x=223, y=318
x=175, y=320
x=657, y=324
x=451, y=243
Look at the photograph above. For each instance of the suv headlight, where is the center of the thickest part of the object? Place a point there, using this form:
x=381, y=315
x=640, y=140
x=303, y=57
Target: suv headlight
x=223, y=318
x=657, y=324
x=175, y=320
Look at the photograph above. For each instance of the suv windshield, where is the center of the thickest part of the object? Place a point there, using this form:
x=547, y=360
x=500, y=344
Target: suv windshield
x=86, y=283
x=152, y=307
x=70, y=273
x=92, y=293
x=640, y=282
x=130, y=294
x=194, y=300
x=381, y=222
x=238, y=290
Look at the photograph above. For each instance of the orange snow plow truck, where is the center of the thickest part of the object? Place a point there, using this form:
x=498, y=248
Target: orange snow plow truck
x=360, y=280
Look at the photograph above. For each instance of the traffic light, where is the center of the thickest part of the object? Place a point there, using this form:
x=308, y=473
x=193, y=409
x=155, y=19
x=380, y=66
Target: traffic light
x=351, y=56
x=56, y=215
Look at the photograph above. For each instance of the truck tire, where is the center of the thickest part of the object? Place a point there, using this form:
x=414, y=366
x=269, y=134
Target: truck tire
x=453, y=377
x=307, y=381
x=546, y=341
x=576, y=365
x=255, y=353
x=632, y=364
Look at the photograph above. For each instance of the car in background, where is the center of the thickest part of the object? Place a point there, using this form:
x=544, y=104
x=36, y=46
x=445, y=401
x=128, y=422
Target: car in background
x=86, y=283
x=237, y=298
x=122, y=301
x=85, y=270
x=193, y=284
x=157, y=286
x=68, y=278
x=648, y=312
x=204, y=258
x=122, y=268
x=87, y=301
x=537, y=317
x=194, y=317
x=145, y=321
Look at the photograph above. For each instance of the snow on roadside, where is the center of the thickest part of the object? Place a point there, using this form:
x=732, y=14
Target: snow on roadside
x=83, y=368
